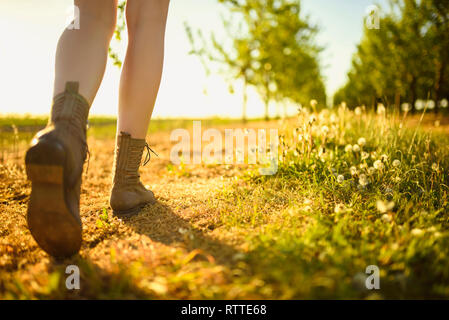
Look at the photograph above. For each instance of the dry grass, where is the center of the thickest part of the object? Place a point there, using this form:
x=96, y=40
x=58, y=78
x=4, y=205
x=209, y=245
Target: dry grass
x=177, y=238
x=207, y=237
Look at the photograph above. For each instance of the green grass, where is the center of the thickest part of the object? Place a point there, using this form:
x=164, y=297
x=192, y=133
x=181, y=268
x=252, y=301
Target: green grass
x=18, y=129
x=311, y=236
x=305, y=232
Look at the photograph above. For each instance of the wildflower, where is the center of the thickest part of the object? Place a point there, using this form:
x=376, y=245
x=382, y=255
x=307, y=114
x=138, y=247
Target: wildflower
x=384, y=206
x=365, y=155
x=396, y=163
x=348, y=148
x=353, y=170
x=386, y=218
x=356, y=148
x=417, y=232
x=324, y=130
x=380, y=109
x=358, y=111
x=340, y=178
x=339, y=208
x=406, y=107
x=371, y=170
x=384, y=158
x=361, y=142
x=363, y=166
x=435, y=166
x=363, y=180
x=444, y=103
x=313, y=103
x=378, y=165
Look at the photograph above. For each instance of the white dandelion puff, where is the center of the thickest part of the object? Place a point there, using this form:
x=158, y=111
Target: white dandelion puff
x=348, y=148
x=361, y=141
x=378, y=164
x=363, y=180
x=384, y=206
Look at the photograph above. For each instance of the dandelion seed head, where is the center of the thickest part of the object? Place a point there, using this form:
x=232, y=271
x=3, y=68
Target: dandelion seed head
x=361, y=141
x=381, y=109
x=378, y=164
x=353, y=171
x=358, y=111
x=340, y=178
x=406, y=107
x=435, y=166
x=363, y=180
x=396, y=163
x=356, y=148
x=340, y=208
x=348, y=148
x=324, y=130
x=384, y=206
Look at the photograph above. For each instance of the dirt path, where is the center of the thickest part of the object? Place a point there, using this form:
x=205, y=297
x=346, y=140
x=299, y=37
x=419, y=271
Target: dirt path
x=183, y=226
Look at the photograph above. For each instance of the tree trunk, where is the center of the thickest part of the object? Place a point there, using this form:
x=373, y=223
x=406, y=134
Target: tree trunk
x=397, y=101
x=245, y=102
x=413, y=92
x=267, y=103
x=439, y=82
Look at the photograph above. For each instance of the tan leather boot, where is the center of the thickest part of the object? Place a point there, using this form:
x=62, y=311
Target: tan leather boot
x=128, y=195
x=54, y=164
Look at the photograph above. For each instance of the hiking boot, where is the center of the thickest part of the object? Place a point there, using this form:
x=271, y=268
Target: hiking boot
x=54, y=164
x=128, y=195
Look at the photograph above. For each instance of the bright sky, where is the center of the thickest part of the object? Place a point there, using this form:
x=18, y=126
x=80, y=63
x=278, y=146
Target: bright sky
x=29, y=31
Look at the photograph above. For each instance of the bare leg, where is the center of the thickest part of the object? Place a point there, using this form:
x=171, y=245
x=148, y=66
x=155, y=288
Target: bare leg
x=142, y=69
x=82, y=53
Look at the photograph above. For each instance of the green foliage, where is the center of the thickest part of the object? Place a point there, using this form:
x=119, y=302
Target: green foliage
x=406, y=59
x=272, y=49
x=331, y=211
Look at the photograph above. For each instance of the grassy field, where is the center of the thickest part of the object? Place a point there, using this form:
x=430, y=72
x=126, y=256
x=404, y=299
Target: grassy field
x=352, y=190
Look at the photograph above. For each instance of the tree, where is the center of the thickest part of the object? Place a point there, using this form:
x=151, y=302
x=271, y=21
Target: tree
x=272, y=50
x=406, y=59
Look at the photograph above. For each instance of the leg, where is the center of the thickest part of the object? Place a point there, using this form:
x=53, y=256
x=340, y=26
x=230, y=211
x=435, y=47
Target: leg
x=142, y=68
x=82, y=53
x=54, y=162
x=139, y=85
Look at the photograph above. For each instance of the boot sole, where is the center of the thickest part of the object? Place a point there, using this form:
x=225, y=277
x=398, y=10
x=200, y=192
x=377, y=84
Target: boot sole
x=49, y=218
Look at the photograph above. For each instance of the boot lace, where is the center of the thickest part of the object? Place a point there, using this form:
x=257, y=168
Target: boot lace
x=148, y=155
